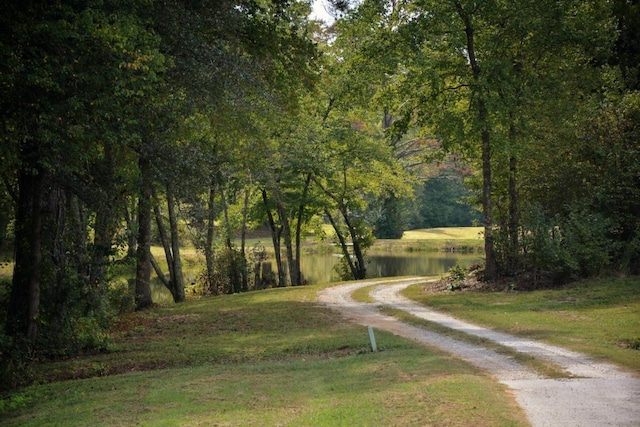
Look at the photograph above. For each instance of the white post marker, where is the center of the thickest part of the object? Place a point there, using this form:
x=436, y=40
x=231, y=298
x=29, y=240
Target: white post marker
x=372, y=338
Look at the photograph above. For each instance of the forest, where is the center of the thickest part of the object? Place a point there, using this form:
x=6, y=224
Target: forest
x=126, y=122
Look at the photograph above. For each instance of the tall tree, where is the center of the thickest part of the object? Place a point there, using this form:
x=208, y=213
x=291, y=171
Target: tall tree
x=67, y=69
x=473, y=74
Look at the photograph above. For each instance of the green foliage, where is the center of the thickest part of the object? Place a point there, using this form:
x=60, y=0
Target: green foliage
x=228, y=275
x=14, y=402
x=120, y=297
x=585, y=241
x=442, y=202
x=585, y=215
x=457, y=275
x=16, y=362
x=561, y=248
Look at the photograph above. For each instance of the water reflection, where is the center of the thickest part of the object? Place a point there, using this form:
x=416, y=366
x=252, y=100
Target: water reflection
x=321, y=268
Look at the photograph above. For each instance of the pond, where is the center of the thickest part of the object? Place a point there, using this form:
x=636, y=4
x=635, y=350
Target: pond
x=321, y=268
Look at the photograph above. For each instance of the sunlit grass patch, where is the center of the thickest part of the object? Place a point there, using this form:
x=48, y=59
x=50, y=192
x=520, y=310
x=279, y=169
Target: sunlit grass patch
x=592, y=316
x=406, y=386
x=469, y=233
x=272, y=357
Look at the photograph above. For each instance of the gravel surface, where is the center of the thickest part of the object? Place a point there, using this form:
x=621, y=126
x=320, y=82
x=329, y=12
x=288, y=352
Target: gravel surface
x=597, y=394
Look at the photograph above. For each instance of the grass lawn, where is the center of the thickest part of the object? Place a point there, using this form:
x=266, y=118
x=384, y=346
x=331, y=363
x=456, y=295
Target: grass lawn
x=277, y=358
x=597, y=317
x=262, y=358
x=452, y=233
x=447, y=239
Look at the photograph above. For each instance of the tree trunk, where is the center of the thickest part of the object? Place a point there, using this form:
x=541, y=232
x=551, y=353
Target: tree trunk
x=490, y=269
x=143, y=255
x=285, y=226
x=162, y=232
x=300, y=219
x=208, y=247
x=513, y=207
x=156, y=267
x=234, y=269
x=343, y=245
x=105, y=225
x=275, y=238
x=490, y=272
x=171, y=245
x=177, y=277
x=243, y=238
x=24, y=301
x=132, y=229
x=360, y=267
x=104, y=232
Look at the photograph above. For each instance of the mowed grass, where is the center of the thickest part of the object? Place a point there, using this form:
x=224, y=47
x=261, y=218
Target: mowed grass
x=453, y=233
x=599, y=317
x=447, y=239
x=263, y=358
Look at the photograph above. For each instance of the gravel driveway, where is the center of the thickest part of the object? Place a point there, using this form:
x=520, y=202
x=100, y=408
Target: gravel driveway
x=597, y=394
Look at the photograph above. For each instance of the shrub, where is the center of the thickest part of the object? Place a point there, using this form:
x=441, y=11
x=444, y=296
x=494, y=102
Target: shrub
x=574, y=246
x=457, y=275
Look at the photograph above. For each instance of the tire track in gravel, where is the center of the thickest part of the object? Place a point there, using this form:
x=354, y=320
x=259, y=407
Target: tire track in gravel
x=598, y=395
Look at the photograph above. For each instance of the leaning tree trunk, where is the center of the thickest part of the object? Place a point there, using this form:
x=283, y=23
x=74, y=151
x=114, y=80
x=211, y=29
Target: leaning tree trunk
x=177, y=277
x=171, y=245
x=360, y=267
x=343, y=245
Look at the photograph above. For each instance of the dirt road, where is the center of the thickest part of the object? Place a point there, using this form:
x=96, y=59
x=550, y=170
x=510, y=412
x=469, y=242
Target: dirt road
x=597, y=394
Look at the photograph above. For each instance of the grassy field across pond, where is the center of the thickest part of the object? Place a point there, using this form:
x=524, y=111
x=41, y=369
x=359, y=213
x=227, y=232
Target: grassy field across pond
x=452, y=233
x=447, y=239
x=262, y=358
x=599, y=317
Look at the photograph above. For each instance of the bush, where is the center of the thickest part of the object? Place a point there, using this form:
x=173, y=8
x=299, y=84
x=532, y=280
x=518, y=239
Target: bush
x=457, y=275
x=585, y=242
x=16, y=359
x=571, y=247
x=229, y=268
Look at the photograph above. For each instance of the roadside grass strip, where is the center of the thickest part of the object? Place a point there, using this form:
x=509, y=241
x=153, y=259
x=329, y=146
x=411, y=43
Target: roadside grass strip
x=544, y=368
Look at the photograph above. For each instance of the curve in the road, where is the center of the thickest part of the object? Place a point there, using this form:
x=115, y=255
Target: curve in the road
x=598, y=394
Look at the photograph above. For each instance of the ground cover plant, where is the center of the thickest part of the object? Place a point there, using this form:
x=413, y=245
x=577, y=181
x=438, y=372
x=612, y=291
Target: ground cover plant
x=599, y=317
x=271, y=357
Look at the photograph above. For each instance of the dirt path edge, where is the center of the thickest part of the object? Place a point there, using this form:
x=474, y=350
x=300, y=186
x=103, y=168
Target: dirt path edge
x=601, y=395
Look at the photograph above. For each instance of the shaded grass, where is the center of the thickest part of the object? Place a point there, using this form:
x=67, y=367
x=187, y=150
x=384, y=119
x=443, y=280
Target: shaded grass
x=272, y=357
x=597, y=317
